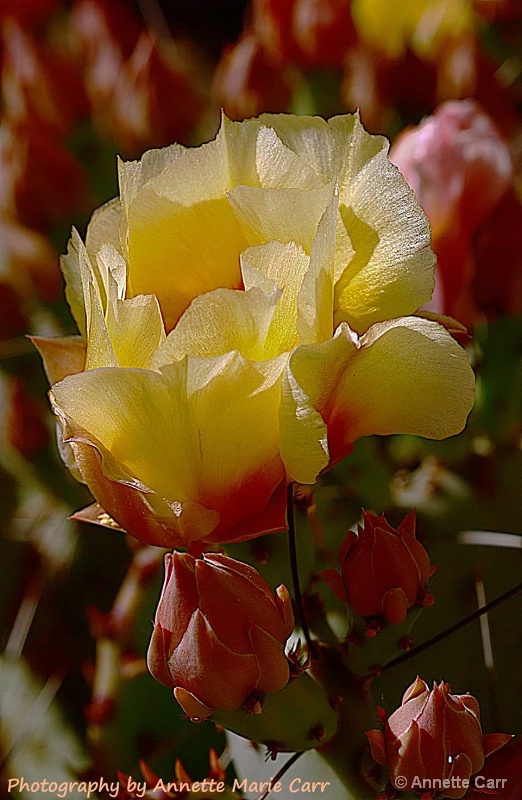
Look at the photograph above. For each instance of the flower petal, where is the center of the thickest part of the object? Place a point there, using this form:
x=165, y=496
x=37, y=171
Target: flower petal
x=182, y=238
x=162, y=433
x=285, y=215
x=391, y=274
x=404, y=376
x=219, y=322
x=285, y=266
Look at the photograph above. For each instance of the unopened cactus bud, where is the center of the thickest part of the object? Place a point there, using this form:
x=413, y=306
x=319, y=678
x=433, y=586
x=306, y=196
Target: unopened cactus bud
x=434, y=736
x=384, y=571
x=219, y=633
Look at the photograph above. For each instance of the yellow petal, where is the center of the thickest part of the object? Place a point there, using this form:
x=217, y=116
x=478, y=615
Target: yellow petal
x=178, y=252
x=391, y=273
x=187, y=433
x=404, y=376
x=135, y=326
x=182, y=238
x=283, y=266
x=285, y=215
x=104, y=227
x=316, y=296
x=100, y=352
x=219, y=322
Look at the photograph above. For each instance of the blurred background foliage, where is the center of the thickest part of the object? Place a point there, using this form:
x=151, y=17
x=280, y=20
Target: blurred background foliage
x=83, y=81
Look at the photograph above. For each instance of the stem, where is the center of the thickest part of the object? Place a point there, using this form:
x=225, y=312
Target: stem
x=395, y=662
x=345, y=752
x=284, y=769
x=294, y=566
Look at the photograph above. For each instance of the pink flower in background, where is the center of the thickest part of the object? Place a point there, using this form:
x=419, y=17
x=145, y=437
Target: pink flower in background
x=461, y=170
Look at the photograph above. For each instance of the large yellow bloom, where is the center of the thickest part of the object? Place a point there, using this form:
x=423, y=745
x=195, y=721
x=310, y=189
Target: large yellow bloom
x=244, y=312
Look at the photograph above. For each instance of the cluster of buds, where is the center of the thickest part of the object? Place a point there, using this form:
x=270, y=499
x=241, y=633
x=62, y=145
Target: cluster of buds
x=384, y=571
x=219, y=634
x=434, y=741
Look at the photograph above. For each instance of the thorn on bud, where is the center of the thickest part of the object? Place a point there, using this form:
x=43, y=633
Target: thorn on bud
x=273, y=747
x=254, y=703
x=374, y=627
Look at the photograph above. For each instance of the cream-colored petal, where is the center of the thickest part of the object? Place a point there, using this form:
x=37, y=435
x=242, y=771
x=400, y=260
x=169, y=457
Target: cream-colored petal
x=74, y=293
x=134, y=175
x=279, y=167
x=112, y=269
x=87, y=296
x=391, y=273
x=309, y=137
x=100, y=352
x=104, y=228
x=303, y=441
x=240, y=139
x=219, y=322
x=316, y=295
x=284, y=265
x=354, y=149
x=284, y=215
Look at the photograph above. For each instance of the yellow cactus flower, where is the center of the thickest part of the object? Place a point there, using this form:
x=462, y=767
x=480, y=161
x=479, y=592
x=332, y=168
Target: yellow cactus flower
x=246, y=313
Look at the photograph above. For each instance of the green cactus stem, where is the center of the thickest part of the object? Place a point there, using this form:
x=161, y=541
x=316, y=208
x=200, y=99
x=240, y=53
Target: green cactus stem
x=297, y=718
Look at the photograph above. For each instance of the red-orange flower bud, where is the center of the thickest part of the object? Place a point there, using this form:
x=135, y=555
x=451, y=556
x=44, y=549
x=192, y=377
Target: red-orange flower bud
x=434, y=741
x=219, y=634
x=324, y=31
x=384, y=570
x=247, y=81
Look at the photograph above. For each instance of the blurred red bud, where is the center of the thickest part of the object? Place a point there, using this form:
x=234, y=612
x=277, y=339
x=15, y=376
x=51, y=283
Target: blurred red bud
x=41, y=182
x=247, y=82
x=30, y=261
x=25, y=426
x=324, y=31
x=153, y=101
x=39, y=85
x=28, y=11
